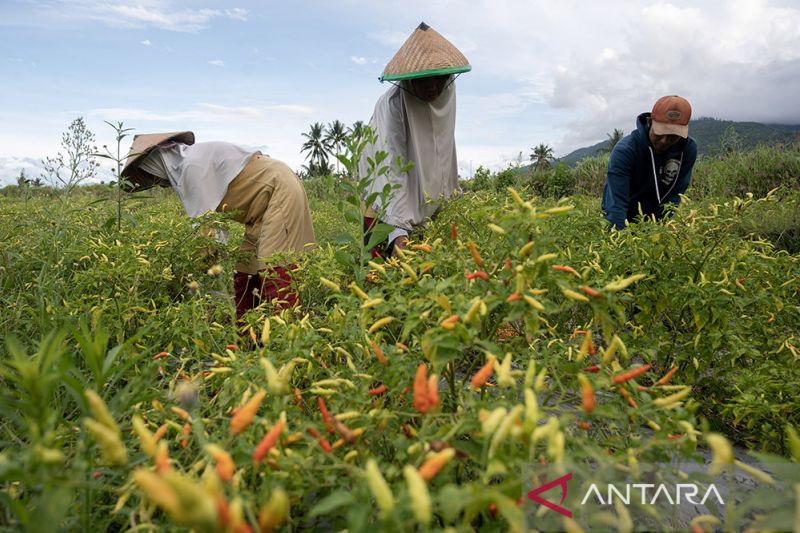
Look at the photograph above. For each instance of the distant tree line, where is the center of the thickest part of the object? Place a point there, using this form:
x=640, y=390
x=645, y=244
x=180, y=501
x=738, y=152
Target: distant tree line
x=323, y=142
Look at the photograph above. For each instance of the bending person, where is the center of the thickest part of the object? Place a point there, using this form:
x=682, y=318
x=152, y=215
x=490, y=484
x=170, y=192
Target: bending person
x=264, y=194
x=415, y=120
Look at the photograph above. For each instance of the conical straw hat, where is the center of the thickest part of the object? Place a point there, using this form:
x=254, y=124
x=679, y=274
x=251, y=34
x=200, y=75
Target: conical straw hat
x=145, y=142
x=425, y=53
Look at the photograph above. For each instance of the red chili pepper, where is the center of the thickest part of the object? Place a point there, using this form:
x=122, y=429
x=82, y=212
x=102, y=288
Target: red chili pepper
x=508, y=263
x=594, y=369
x=326, y=416
x=582, y=424
x=477, y=274
x=378, y=390
x=630, y=374
x=453, y=232
x=231, y=347
x=313, y=432
x=160, y=355
x=325, y=445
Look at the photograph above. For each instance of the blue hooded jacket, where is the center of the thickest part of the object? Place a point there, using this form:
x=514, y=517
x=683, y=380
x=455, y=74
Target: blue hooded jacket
x=638, y=177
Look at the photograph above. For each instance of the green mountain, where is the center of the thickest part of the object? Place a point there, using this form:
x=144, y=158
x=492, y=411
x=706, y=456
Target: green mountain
x=709, y=134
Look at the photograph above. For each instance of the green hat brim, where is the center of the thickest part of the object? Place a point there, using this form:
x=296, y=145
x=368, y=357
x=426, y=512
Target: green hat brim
x=426, y=73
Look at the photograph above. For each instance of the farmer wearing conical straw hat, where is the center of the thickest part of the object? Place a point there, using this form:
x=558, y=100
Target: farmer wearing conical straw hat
x=264, y=194
x=415, y=120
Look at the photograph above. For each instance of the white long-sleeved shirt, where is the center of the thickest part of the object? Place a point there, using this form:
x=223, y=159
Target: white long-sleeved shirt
x=200, y=173
x=422, y=133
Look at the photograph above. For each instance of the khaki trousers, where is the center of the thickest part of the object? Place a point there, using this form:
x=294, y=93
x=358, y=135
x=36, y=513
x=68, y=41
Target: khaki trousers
x=271, y=203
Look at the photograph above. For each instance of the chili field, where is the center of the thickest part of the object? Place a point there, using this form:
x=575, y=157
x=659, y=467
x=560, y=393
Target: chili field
x=410, y=394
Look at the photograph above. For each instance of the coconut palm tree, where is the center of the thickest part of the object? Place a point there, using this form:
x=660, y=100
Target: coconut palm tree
x=335, y=135
x=542, y=156
x=614, y=137
x=316, y=146
x=357, y=127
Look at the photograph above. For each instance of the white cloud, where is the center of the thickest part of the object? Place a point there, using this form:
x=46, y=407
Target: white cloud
x=217, y=63
x=237, y=13
x=162, y=14
x=292, y=109
x=358, y=60
x=147, y=42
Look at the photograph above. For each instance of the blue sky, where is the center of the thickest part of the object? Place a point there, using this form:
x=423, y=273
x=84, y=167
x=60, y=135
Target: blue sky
x=259, y=73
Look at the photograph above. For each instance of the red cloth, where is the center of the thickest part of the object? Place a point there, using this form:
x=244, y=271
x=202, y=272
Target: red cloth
x=277, y=284
x=273, y=283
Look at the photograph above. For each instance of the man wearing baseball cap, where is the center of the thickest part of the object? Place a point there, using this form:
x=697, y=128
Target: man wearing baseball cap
x=653, y=165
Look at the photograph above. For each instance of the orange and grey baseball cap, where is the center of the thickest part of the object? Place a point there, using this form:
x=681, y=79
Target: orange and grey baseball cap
x=670, y=116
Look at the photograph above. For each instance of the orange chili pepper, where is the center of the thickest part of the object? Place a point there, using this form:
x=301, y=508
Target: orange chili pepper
x=450, y=322
x=583, y=424
x=379, y=355
x=514, y=296
x=482, y=375
x=588, y=291
x=160, y=355
x=245, y=414
x=231, y=347
x=298, y=397
x=326, y=416
x=564, y=268
x=268, y=442
x=476, y=256
x=666, y=377
x=421, y=400
x=162, y=429
x=453, y=232
x=630, y=374
x=432, y=466
x=625, y=394
x=225, y=466
x=433, y=391
x=162, y=458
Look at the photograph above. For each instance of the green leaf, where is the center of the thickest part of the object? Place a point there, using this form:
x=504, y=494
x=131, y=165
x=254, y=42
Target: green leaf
x=343, y=258
x=332, y=502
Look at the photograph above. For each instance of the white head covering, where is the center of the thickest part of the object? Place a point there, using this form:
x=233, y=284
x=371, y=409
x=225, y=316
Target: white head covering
x=200, y=173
